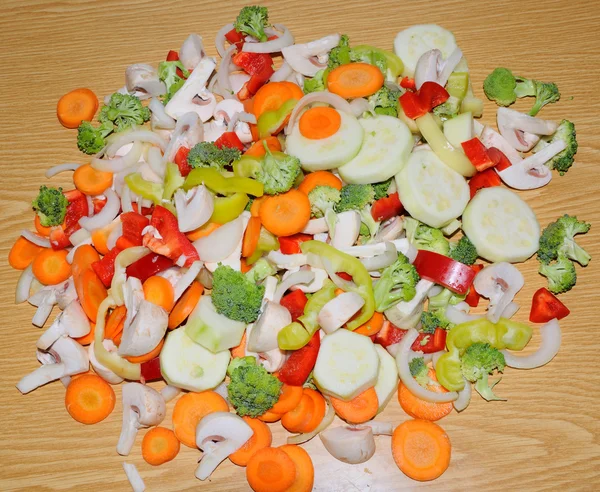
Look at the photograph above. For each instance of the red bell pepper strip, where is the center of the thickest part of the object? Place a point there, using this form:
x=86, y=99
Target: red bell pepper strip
x=412, y=105
x=148, y=265
x=260, y=68
x=181, y=161
x=236, y=38
x=133, y=225
x=301, y=362
x=294, y=302
x=231, y=140
x=487, y=179
x=501, y=162
x=58, y=239
x=442, y=270
x=473, y=297
x=290, y=245
x=98, y=204
x=105, y=268
x=477, y=153
x=76, y=209
x=388, y=335
x=344, y=276
x=432, y=94
x=429, y=343
x=145, y=210
x=150, y=370
x=546, y=306
x=387, y=207
x=408, y=83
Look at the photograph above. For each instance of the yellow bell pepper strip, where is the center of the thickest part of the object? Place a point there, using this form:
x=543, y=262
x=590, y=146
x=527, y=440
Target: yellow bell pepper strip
x=173, y=180
x=297, y=334
x=512, y=335
x=144, y=188
x=227, y=208
x=218, y=183
x=247, y=166
x=393, y=62
x=342, y=262
x=266, y=242
x=270, y=121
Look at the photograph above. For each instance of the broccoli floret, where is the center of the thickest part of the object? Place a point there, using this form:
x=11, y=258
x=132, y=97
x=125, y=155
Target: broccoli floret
x=278, y=172
x=562, y=161
x=438, y=304
x=382, y=189
x=207, y=154
x=51, y=206
x=385, y=101
x=252, y=390
x=261, y=270
x=359, y=197
x=561, y=274
x=429, y=322
x=544, y=92
x=235, y=296
x=424, y=237
x=91, y=140
x=558, y=238
x=322, y=199
x=317, y=83
x=340, y=55
x=449, y=109
x=124, y=111
x=371, y=57
x=397, y=283
x=167, y=72
x=463, y=251
x=419, y=371
x=252, y=21
x=478, y=362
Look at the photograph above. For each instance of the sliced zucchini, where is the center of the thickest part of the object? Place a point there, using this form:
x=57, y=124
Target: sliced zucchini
x=387, y=377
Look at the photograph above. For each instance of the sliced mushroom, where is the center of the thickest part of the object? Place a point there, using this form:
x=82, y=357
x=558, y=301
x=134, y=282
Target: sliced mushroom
x=226, y=109
x=500, y=283
x=310, y=287
x=354, y=444
x=521, y=130
x=194, y=207
x=226, y=117
x=316, y=226
x=100, y=369
x=143, y=406
x=346, y=230
x=339, y=310
x=272, y=320
x=140, y=77
x=189, y=131
x=309, y=58
x=426, y=69
x=390, y=230
x=72, y=322
x=218, y=435
x=214, y=129
x=145, y=331
x=273, y=360
x=191, y=51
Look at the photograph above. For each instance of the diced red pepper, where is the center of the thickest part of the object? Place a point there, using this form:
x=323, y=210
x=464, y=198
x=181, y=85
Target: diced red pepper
x=133, y=225
x=300, y=363
x=290, y=245
x=445, y=271
x=473, y=297
x=98, y=204
x=58, y=239
x=434, y=342
x=501, y=162
x=150, y=370
x=145, y=210
x=236, y=38
x=294, y=302
x=105, y=268
x=487, y=179
x=412, y=105
x=546, y=306
x=231, y=140
x=76, y=209
x=477, y=153
x=432, y=94
x=388, y=335
x=181, y=161
x=408, y=83
x=387, y=207
x=148, y=265
x=260, y=68
x=174, y=56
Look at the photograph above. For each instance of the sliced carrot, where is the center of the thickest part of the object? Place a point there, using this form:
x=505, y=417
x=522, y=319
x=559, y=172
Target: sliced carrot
x=270, y=417
x=159, y=291
x=305, y=471
x=318, y=412
x=254, y=131
x=355, y=80
x=244, y=267
x=91, y=292
x=89, y=399
x=185, y=304
x=89, y=338
x=42, y=230
x=239, y=350
x=188, y=411
x=285, y=214
x=319, y=122
x=100, y=238
x=255, y=207
x=421, y=449
x=361, y=408
x=140, y=359
x=299, y=418
x=23, y=253
x=319, y=178
x=270, y=470
x=115, y=324
x=271, y=96
x=159, y=446
x=76, y=106
x=421, y=409
x=203, y=231
x=289, y=398
x=51, y=267
x=251, y=237
x=90, y=181
x=261, y=438
x=83, y=258
x=258, y=149
x=371, y=327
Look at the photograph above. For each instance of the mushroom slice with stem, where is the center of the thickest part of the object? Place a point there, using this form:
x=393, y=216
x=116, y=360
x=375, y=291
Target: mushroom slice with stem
x=273, y=319
x=309, y=58
x=499, y=282
x=521, y=130
x=143, y=78
x=354, y=444
x=194, y=207
x=72, y=322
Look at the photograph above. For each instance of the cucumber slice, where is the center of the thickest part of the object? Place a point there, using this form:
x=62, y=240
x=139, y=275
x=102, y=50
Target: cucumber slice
x=459, y=129
x=501, y=226
x=347, y=365
x=212, y=330
x=187, y=365
x=431, y=191
x=385, y=150
x=387, y=377
x=411, y=43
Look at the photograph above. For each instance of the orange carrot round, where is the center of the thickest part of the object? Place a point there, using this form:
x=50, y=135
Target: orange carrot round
x=188, y=411
x=319, y=410
x=270, y=470
x=270, y=417
x=251, y=237
x=305, y=471
x=285, y=214
x=90, y=181
x=421, y=409
x=115, y=324
x=355, y=80
x=83, y=258
x=203, y=231
x=23, y=253
x=185, y=304
x=255, y=207
x=159, y=446
x=421, y=449
x=140, y=359
x=319, y=122
x=159, y=291
x=258, y=149
x=289, y=398
x=89, y=399
x=42, y=230
x=91, y=292
x=361, y=408
x=298, y=419
x=319, y=178
x=271, y=96
x=51, y=267
x=261, y=438
x=371, y=327
x=76, y=106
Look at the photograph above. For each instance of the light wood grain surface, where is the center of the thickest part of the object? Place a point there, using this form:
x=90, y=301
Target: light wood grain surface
x=546, y=436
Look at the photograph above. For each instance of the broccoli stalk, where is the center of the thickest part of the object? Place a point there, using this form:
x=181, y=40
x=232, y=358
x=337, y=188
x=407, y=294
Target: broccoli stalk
x=252, y=21
x=562, y=161
x=424, y=237
x=51, y=206
x=463, y=251
x=91, y=140
x=252, y=390
x=558, y=238
x=385, y=101
x=397, y=283
x=420, y=371
x=359, y=197
x=235, y=296
x=207, y=154
x=544, y=92
x=561, y=274
x=477, y=363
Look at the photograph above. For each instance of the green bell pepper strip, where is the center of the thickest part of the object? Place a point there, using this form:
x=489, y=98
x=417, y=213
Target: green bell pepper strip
x=297, y=334
x=394, y=63
x=228, y=208
x=342, y=262
x=512, y=335
x=247, y=166
x=270, y=121
x=457, y=84
x=218, y=183
x=266, y=242
x=144, y=188
x=173, y=180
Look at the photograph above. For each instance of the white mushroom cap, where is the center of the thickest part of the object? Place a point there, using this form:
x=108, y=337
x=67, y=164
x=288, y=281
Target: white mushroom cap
x=191, y=51
x=309, y=58
x=140, y=77
x=272, y=320
x=521, y=130
x=500, y=283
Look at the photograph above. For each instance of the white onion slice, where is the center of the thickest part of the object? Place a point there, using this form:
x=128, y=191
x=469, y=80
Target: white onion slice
x=126, y=205
x=41, y=314
x=118, y=164
x=220, y=39
x=551, y=338
x=71, y=254
x=79, y=236
x=464, y=397
x=222, y=390
x=410, y=382
x=187, y=278
x=334, y=100
x=116, y=233
x=90, y=205
x=154, y=160
x=223, y=74
x=457, y=316
x=24, y=285
x=54, y=170
x=219, y=244
x=273, y=46
x=135, y=480
x=307, y=436
x=300, y=277
x=449, y=66
x=169, y=392
x=359, y=106
x=135, y=136
x=282, y=73
x=381, y=261
x=160, y=118
x=108, y=213
x=35, y=239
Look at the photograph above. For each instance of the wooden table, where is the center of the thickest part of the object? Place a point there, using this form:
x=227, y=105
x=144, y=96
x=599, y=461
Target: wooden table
x=546, y=436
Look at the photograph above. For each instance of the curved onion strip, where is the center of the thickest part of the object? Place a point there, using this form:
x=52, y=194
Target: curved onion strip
x=551, y=338
x=327, y=97
x=282, y=73
x=359, y=106
x=457, y=316
x=223, y=74
x=154, y=159
x=246, y=117
x=220, y=39
x=449, y=66
x=416, y=354
x=135, y=136
x=71, y=254
x=35, y=238
x=222, y=390
x=53, y=171
x=169, y=392
x=326, y=422
x=186, y=280
x=122, y=261
x=464, y=397
x=220, y=243
x=79, y=236
x=119, y=164
x=116, y=233
x=381, y=261
x=160, y=117
x=126, y=205
x=24, y=285
x=410, y=382
x=273, y=46
x=300, y=277
x=108, y=213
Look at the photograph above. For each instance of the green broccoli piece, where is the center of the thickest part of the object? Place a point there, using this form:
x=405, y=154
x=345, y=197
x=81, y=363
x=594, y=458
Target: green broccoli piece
x=397, y=283
x=252, y=390
x=261, y=270
x=463, y=251
x=438, y=304
x=371, y=57
x=558, y=238
x=561, y=274
x=562, y=161
x=424, y=237
x=51, y=206
x=359, y=197
x=167, y=72
x=382, y=189
x=340, y=55
x=91, y=140
x=419, y=371
x=317, y=83
x=207, y=154
x=449, y=109
x=322, y=199
x=124, y=111
x=385, y=101
x=252, y=21
x=278, y=172
x=235, y=296
x=429, y=322
x=477, y=363
x=544, y=92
